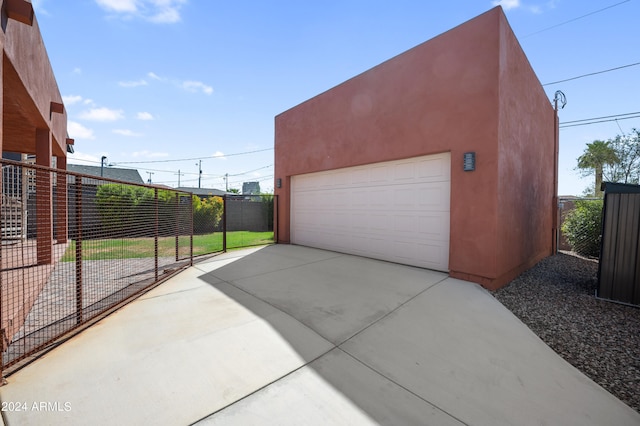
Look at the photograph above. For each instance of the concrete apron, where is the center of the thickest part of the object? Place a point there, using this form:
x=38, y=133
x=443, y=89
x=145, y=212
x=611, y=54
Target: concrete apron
x=294, y=335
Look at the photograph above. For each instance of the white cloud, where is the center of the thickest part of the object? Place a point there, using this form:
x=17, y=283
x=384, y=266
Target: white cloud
x=71, y=99
x=126, y=132
x=196, y=86
x=167, y=16
x=219, y=155
x=144, y=116
x=535, y=9
x=78, y=131
x=37, y=6
x=133, y=83
x=120, y=6
x=188, y=85
x=507, y=4
x=156, y=11
x=77, y=70
x=102, y=114
x=155, y=76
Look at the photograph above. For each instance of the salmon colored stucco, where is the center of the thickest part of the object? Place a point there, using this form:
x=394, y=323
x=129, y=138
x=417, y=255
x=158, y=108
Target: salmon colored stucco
x=470, y=89
x=32, y=121
x=33, y=118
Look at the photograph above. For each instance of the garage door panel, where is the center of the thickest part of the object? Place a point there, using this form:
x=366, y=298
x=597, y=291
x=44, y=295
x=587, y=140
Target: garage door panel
x=429, y=226
x=433, y=197
x=397, y=210
x=378, y=222
x=432, y=255
x=378, y=175
x=434, y=169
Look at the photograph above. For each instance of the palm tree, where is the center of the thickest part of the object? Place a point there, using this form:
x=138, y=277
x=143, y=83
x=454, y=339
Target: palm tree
x=595, y=156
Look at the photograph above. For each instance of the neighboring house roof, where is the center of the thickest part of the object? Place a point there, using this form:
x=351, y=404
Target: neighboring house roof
x=205, y=192
x=126, y=175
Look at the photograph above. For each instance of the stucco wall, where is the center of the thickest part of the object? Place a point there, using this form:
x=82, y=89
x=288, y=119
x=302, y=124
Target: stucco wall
x=25, y=51
x=443, y=95
x=526, y=157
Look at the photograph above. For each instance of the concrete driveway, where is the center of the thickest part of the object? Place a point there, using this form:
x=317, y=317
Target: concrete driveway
x=293, y=335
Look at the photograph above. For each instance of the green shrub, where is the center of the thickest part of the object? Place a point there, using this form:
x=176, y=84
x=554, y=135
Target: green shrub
x=130, y=210
x=207, y=213
x=583, y=227
x=123, y=207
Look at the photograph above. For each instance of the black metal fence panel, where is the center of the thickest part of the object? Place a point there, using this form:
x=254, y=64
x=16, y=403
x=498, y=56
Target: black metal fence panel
x=619, y=271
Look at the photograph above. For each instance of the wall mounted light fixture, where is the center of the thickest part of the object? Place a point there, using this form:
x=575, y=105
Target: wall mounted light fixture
x=469, y=161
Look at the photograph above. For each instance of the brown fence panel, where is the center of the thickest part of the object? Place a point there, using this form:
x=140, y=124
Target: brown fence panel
x=250, y=220
x=75, y=246
x=232, y=221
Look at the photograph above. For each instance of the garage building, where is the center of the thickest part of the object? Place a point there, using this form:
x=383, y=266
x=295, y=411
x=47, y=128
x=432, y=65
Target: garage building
x=442, y=157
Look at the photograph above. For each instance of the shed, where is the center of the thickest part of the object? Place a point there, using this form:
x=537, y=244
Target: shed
x=619, y=269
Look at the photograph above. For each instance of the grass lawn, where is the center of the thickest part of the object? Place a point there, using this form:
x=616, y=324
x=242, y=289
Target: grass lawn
x=127, y=248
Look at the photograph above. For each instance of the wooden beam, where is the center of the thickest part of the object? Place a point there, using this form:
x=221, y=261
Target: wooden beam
x=57, y=107
x=19, y=10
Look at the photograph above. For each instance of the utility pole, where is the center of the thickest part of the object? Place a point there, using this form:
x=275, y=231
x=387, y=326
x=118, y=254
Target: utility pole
x=102, y=160
x=179, y=174
x=199, y=164
x=559, y=97
x=226, y=182
x=150, y=173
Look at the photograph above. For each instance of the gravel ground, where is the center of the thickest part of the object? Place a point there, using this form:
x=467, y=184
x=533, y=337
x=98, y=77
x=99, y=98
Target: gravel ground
x=556, y=299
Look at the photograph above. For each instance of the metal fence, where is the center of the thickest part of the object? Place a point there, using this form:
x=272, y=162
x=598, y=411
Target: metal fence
x=619, y=272
x=580, y=226
x=74, y=247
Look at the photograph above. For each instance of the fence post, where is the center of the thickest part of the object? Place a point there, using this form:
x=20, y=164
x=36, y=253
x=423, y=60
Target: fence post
x=155, y=237
x=78, y=250
x=177, y=227
x=224, y=223
x=191, y=230
x=1, y=285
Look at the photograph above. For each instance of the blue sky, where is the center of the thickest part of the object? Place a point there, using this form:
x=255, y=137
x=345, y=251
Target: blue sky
x=149, y=82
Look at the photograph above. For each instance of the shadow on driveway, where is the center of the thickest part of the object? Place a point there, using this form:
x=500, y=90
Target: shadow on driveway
x=293, y=335
x=403, y=345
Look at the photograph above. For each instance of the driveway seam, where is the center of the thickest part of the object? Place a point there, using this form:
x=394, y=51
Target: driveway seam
x=264, y=386
x=393, y=310
x=304, y=364
x=401, y=386
x=333, y=345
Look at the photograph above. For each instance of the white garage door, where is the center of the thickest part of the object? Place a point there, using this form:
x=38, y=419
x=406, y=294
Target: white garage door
x=395, y=210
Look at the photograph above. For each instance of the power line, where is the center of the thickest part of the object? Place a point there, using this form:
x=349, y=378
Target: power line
x=593, y=73
x=604, y=119
x=251, y=171
x=209, y=157
x=205, y=175
x=598, y=118
x=575, y=19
